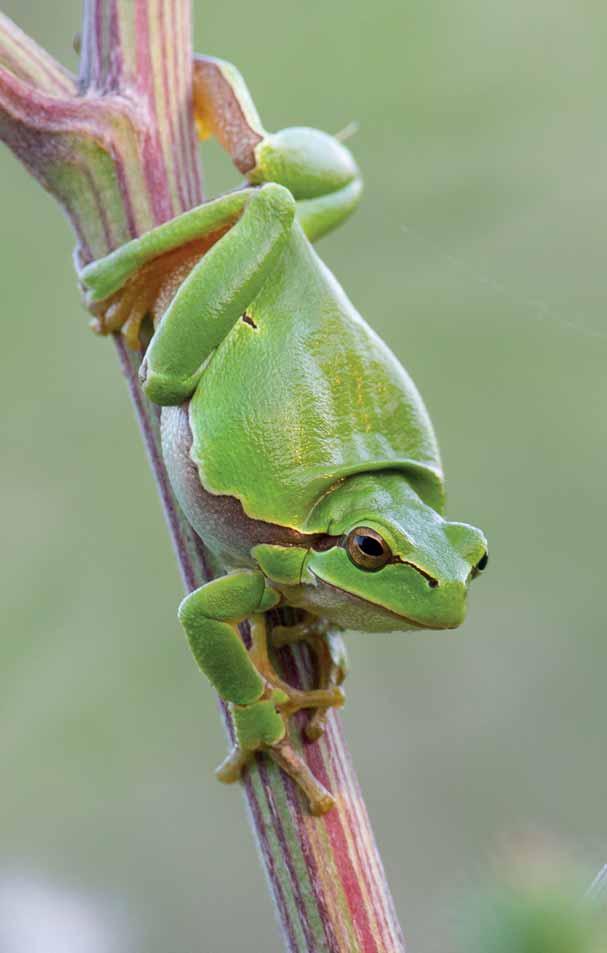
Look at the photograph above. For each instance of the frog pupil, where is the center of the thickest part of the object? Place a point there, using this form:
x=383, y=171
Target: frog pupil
x=482, y=563
x=369, y=546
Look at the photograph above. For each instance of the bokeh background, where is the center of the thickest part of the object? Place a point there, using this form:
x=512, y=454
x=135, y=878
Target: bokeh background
x=479, y=255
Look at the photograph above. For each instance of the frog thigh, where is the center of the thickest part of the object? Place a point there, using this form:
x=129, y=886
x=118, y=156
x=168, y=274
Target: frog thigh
x=215, y=294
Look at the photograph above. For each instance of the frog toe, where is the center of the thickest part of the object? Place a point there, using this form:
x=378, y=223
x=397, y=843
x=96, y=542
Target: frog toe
x=231, y=768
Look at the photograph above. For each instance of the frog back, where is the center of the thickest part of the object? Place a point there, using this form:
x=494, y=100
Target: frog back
x=301, y=394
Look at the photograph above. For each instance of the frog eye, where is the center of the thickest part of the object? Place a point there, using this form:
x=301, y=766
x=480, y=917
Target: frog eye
x=367, y=549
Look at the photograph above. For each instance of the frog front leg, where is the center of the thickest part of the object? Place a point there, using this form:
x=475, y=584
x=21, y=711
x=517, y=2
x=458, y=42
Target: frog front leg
x=318, y=170
x=330, y=658
x=260, y=702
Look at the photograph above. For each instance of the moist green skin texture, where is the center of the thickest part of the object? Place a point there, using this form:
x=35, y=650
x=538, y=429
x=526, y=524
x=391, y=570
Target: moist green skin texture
x=287, y=423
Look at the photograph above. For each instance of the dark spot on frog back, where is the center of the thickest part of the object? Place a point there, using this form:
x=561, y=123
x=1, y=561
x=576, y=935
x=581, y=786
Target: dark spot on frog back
x=247, y=319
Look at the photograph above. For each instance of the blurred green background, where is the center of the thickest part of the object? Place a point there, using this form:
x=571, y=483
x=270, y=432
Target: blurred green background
x=479, y=255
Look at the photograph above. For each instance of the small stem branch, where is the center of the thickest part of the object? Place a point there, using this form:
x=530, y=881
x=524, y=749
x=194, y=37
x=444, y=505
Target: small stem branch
x=117, y=149
x=28, y=61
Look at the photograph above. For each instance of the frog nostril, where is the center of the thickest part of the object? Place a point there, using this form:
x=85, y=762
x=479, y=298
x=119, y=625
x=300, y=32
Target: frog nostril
x=433, y=583
x=479, y=567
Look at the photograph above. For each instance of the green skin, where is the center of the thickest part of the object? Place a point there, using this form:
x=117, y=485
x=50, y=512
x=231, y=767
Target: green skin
x=291, y=433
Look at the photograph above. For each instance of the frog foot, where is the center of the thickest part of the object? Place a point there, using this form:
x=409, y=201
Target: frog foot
x=262, y=726
x=147, y=294
x=331, y=662
x=125, y=311
x=320, y=801
x=326, y=696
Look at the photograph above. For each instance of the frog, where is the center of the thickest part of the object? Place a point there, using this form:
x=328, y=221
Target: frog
x=296, y=443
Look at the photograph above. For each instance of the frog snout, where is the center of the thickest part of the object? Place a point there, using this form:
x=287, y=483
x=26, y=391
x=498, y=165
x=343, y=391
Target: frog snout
x=470, y=543
x=442, y=606
x=448, y=600
x=450, y=608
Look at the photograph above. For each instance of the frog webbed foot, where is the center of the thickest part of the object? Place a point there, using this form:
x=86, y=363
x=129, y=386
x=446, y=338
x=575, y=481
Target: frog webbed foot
x=284, y=754
x=147, y=293
x=327, y=695
x=263, y=724
x=126, y=310
x=252, y=736
x=259, y=701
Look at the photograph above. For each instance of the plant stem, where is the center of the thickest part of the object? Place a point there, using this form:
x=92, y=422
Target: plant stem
x=117, y=149
x=598, y=887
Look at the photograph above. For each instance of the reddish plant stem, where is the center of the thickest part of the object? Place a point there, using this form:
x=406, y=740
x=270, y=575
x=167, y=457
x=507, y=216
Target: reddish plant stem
x=117, y=149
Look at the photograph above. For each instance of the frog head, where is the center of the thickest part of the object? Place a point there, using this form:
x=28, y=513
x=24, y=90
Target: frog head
x=388, y=560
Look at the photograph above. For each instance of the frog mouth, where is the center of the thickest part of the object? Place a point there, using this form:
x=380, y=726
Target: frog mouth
x=391, y=613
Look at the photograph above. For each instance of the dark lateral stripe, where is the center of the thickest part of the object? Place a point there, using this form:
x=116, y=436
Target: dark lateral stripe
x=204, y=508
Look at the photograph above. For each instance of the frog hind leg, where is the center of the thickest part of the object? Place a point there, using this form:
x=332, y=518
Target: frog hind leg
x=330, y=656
x=331, y=661
x=141, y=276
x=223, y=108
x=215, y=295
x=148, y=292
x=329, y=695
x=197, y=273
x=319, y=799
x=320, y=699
x=286, y=757
x=258, y=703
x=317, y=168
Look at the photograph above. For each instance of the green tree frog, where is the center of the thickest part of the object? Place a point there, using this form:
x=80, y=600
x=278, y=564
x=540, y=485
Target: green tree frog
x=296, y=443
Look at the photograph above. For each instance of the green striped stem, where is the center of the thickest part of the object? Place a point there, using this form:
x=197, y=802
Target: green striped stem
x=116, y=147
